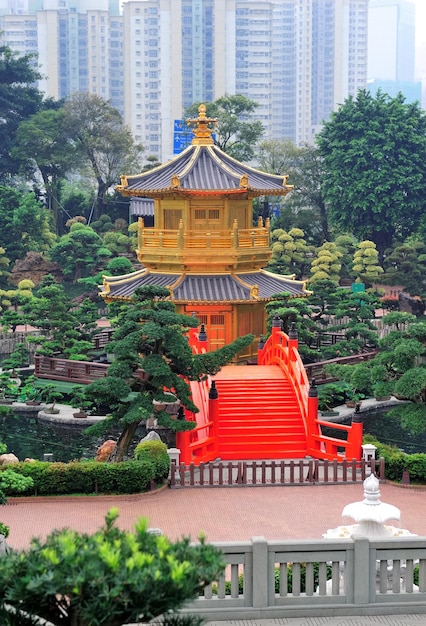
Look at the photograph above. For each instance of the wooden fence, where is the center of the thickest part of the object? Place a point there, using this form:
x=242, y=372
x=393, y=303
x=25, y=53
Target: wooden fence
x=273, y=473
x=317, y=370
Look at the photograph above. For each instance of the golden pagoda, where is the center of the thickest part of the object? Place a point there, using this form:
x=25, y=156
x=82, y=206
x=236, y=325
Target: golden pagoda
x=203, y=246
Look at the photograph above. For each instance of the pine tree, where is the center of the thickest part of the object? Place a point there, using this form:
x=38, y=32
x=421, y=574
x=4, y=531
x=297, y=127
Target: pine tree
x=152, y=338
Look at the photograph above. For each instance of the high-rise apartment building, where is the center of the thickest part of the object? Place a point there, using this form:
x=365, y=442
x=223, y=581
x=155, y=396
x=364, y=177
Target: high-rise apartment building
x=298, y=59
x=79, y=44
x=391, y=48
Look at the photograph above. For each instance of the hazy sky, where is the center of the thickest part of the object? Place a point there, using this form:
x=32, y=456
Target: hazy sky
x=420, y=20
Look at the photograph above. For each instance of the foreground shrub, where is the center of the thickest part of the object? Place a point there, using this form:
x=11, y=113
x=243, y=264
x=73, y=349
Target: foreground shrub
x=111, y=577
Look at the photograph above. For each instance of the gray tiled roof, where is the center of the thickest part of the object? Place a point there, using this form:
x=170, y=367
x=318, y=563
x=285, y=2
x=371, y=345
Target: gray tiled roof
x=217, y=288
x=204, y=168
x=206, y=287
x=121, y=287
x=141, y=207
x=271, y=284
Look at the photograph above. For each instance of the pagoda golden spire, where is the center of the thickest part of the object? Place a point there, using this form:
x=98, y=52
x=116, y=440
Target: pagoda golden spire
x=201, y=129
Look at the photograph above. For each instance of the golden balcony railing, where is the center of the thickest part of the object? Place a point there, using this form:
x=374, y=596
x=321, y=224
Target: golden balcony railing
x=195, y=249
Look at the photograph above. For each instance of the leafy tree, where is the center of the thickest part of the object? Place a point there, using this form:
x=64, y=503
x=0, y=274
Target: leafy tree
x=406, y=265
x=151, y=337
x=66, y=328
x=295, y=311
x=19, y=99
x=79, y=252
x=346, y=244
x=374, y=150
x=305, y=168
x=43, y=146
x=103, y=141
x=110, y=578
x=366, y=262
x=326, y=264
x=25, y=224
x=289, y=252
x=235, y=133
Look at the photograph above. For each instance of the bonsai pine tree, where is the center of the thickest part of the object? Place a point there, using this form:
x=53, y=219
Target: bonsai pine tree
x=66, y=328
x=112, y=577
x=152, y=338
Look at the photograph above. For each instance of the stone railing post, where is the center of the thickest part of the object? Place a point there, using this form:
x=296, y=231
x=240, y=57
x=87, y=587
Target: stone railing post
x=260, y=572
x=361, y=570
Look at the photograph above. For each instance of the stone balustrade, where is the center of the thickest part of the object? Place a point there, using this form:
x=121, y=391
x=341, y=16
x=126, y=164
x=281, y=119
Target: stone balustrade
x=326, y=577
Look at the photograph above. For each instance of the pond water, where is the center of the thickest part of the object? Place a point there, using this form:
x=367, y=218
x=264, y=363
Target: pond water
x=29, y=437
x=387, y=429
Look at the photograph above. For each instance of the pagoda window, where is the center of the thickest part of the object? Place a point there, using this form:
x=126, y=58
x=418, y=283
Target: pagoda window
x=205, y=219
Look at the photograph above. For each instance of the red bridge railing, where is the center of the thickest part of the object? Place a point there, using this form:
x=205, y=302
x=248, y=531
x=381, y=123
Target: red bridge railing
x=282, y=350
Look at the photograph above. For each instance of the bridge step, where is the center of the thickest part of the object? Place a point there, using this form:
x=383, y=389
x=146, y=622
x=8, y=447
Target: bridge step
x=259, y=416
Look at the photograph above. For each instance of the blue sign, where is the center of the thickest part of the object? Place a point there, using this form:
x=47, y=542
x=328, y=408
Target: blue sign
x=182, y=136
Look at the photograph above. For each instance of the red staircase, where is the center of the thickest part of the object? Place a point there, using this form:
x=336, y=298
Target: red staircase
x=265, y=411
x=258, y=414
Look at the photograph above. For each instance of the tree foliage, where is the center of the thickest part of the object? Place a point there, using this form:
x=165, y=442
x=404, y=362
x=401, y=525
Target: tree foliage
x=236, y=132
x=289, y=252
x=305, y=168
x=374, y=150
x=19, y=99
x=44, y=147
x=25, y=224
x=110, y=577
x=79, y=252
x=66, y=329
x=405, y=265
x=104, y=142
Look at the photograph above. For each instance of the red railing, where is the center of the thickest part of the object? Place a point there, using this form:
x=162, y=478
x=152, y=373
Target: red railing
x=200, y=444
x=282, y=350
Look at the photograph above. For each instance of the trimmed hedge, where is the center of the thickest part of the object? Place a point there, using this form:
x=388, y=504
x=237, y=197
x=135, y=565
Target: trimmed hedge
x=86, y=477
x=397, y=462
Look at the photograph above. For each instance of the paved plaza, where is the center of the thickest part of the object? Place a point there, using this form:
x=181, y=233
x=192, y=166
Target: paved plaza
x=223, y=514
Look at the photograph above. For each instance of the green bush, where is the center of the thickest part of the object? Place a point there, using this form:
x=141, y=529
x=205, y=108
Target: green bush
x=111, y=577
x=84, y=477
x=397, y=462
x=156, y=452
x=4, y=530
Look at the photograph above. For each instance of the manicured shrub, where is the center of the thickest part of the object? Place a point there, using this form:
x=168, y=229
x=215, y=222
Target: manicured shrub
x=397, y=462
x=156, y=452
x=84, y=477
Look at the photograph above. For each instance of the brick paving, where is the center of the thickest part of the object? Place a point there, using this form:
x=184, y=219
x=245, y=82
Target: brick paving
x=223, y=514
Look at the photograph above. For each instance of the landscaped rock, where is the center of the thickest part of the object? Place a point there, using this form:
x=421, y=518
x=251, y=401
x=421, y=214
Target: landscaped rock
x=35, y=266
x=105, y=450
x=151, y=436
x=411, y=304
x=6, y=459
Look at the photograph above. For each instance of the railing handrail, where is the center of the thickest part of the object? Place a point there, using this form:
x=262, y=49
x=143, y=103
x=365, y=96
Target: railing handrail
x=280, y=350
